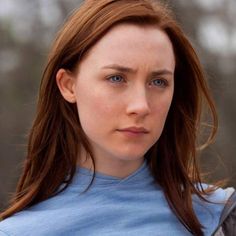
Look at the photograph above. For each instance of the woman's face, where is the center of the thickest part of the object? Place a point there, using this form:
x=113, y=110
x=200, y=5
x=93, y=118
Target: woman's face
x=124, y=88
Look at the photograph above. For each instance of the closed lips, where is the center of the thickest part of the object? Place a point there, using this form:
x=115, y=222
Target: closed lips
x=135, y=130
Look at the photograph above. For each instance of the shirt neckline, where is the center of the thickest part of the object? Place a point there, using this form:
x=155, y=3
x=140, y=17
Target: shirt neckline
x=98, y=175
x=83, y=176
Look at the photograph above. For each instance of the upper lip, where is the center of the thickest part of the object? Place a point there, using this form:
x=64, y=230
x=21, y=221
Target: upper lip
x=135, y=129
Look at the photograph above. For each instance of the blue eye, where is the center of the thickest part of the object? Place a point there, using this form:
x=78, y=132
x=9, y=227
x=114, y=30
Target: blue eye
x=116, y=79
x=160, y=82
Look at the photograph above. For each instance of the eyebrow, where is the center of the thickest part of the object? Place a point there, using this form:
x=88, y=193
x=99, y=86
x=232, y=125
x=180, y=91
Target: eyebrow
x=125, y=69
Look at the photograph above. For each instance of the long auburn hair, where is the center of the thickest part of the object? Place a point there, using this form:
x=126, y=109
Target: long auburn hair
x=56, y=135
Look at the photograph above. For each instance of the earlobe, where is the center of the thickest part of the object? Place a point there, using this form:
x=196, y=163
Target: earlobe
x=66, y=84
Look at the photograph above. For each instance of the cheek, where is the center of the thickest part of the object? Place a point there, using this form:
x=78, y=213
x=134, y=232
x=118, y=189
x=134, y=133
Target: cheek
x=95, y=110
x=160, y=111
x=102, y=104
x=163, y=103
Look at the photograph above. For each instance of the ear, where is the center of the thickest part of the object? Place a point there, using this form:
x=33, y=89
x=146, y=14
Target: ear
x=66, y=84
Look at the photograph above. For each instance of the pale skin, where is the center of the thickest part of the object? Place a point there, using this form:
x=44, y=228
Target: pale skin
x=125, y=80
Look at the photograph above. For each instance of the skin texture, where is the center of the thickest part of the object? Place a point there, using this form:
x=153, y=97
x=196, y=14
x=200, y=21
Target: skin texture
x=125, y=80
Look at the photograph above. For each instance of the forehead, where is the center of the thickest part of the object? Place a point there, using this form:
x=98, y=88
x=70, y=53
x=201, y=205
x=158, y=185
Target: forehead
x=125, y=43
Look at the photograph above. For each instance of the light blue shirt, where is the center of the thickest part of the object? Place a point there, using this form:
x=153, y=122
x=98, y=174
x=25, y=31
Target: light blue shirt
x=131, y=206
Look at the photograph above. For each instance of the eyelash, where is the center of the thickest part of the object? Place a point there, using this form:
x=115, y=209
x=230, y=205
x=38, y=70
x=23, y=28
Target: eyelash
x=113, y=76
x=164, y=82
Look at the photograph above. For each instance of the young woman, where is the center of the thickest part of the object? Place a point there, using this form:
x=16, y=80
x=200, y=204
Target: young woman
x=113, y=148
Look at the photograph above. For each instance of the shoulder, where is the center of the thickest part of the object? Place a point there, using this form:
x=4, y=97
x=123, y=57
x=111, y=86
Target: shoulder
x=33, y=219
x=227, y=224
x=217, y=197
x=48, y=217
x=4, y=233
x=14, y=225
x=209, y=212
x=33, y=222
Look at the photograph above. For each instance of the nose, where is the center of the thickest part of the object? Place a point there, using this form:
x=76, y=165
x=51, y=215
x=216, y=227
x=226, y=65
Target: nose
x=138, y=103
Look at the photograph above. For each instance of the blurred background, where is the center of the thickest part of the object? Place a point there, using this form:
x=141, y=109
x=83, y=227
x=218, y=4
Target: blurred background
x=27, y=29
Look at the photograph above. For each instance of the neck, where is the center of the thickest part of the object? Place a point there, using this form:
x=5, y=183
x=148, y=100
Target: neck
x=110, y=166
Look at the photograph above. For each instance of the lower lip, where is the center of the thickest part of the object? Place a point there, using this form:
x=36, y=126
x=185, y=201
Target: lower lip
x=132, y=134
